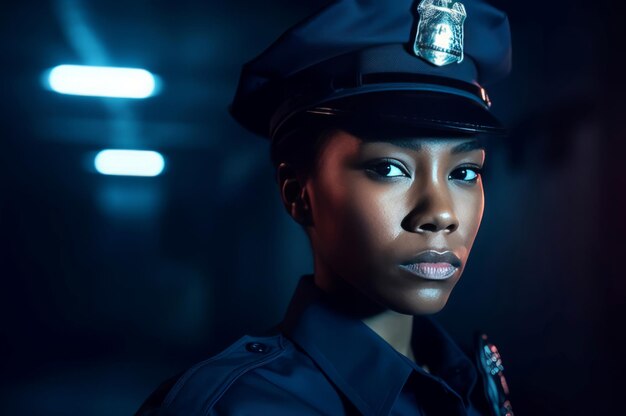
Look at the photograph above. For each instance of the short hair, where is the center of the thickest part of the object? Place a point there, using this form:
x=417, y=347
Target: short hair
x=299, y=145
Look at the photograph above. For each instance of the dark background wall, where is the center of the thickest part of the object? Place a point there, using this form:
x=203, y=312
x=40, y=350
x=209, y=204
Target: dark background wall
x=110, y=285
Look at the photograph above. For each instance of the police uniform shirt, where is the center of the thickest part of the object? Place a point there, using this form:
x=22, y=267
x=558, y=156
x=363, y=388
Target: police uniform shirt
x=322, y=361
x=377, y=61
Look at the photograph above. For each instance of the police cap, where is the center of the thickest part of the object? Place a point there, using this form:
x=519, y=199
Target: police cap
x=420, y=63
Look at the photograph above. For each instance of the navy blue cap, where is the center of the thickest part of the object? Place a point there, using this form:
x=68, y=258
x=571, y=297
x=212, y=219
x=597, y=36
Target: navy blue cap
x=356, y=58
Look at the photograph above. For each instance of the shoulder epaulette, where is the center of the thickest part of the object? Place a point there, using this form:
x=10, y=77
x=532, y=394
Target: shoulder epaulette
x=198, y=389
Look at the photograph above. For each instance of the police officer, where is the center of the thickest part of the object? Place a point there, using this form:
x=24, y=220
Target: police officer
x=375, y=111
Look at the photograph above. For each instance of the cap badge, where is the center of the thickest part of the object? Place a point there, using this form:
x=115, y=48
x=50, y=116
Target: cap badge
x=439, y=38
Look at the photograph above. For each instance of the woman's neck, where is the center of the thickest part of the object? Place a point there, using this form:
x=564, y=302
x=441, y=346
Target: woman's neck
x=395, y=328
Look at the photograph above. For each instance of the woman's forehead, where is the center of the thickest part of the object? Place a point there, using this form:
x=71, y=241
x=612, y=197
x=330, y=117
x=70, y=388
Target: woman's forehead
x=454, y=144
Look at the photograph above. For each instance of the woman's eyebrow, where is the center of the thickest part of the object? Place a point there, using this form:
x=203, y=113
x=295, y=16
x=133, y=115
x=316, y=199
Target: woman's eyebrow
x=467, y=147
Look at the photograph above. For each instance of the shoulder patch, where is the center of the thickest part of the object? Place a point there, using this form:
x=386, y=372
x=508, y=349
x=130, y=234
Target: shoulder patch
x=199, y=388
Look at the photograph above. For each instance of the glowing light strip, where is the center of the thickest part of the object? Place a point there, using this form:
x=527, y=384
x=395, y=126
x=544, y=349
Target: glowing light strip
x=129, y=162
x=102, y=81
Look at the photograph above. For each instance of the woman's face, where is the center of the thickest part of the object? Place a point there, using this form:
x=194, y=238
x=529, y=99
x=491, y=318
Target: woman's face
x=395, y=219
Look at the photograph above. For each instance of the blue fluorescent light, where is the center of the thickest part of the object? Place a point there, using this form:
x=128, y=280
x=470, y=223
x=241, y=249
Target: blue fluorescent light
x=129, y=162
x=102, y=81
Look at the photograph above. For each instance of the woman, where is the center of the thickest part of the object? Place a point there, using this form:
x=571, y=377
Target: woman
x=377, y=119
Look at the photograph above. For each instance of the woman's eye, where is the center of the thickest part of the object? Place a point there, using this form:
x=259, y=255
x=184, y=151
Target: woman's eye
x=387, y=170
x=467, y=174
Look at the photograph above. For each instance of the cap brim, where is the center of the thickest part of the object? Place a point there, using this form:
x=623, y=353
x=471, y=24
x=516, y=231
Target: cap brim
x=409, y=110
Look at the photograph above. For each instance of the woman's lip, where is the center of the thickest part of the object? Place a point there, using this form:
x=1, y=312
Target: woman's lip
x=433, y=256
x=431, y=271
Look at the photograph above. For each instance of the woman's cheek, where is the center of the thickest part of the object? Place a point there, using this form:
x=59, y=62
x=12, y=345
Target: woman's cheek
x=470, y=207
x=371, y=208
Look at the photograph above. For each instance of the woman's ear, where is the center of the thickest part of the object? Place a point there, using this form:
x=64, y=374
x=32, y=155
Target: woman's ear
x=294, y=194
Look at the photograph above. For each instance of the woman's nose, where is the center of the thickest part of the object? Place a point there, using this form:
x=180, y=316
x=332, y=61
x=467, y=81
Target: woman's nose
x=433, y=213
x=437, y=223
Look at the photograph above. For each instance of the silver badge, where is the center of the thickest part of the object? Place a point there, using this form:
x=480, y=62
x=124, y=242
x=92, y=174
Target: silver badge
x=439, y=37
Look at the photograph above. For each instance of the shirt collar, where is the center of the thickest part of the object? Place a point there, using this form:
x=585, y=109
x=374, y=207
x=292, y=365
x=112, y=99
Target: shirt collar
x=358, y=361
x=446, y=360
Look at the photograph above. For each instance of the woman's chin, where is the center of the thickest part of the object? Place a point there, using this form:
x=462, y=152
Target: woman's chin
x=422, y=301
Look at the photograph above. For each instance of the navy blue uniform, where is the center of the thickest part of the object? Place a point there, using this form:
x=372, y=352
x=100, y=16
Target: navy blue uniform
x=322, y=361
x=385, y=64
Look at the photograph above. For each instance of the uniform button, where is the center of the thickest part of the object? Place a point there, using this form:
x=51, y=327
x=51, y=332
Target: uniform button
x=257, y=347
